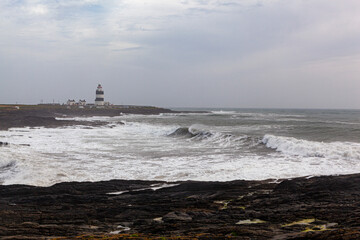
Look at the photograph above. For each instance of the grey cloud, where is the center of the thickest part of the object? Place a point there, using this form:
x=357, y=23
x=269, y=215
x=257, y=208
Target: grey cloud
x=195, y=53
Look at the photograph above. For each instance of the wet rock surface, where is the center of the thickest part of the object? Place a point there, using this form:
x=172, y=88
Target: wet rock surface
x=4, y=144
x=37, y=116
x=19, y=119
x=314, y=208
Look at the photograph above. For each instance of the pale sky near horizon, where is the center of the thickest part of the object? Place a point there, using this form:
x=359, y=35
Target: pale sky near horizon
x=185, y=53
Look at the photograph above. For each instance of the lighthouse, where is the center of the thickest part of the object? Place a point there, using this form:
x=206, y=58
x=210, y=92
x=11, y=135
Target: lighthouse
x=99, y=96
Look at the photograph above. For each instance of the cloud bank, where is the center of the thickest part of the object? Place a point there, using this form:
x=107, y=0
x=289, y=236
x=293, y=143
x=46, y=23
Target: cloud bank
x=190, y=53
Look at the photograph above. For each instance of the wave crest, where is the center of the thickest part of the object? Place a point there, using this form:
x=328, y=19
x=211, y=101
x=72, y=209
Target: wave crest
x=304, y=148
x=190, y=132
x=217, y=139
x=6, y=164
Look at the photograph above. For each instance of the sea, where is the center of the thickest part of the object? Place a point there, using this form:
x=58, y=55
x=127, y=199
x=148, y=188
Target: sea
x=219, y=145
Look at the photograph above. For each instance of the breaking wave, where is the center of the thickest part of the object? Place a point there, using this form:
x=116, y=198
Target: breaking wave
x=298, y=147
x=190, y=133
x=5, y=164
x=221, y=112
x=221, y=146
x=213, y=137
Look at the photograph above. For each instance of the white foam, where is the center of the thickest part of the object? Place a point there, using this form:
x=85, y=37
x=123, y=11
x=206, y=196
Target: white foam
x=221, y=112
x=90, y=119
x=5, y=161
x=153, y=187
x=121, y=229
x=297, y=147
x=143, y=151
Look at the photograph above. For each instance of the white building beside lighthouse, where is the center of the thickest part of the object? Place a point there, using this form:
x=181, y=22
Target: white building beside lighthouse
x=99, y=101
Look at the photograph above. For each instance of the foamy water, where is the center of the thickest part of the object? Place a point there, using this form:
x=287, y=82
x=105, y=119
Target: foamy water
x=219, y=146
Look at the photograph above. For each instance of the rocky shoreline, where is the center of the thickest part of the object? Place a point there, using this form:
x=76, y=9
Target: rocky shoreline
x=326, y=207
x=47, y=116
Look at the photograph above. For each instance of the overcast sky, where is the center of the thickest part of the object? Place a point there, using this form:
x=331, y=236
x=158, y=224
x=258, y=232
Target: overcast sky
x=182, y=53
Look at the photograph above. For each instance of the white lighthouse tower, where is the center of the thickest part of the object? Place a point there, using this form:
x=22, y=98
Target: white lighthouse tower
x=99, y=96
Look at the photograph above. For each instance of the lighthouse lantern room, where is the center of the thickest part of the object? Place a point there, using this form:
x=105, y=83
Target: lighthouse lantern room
x=99, y=96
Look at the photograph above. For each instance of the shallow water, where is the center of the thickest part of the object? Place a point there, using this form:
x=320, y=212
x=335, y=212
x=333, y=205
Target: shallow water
x=222, y=145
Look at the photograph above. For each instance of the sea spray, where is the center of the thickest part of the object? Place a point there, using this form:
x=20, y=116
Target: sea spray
x=213, y=146
x=298, y=147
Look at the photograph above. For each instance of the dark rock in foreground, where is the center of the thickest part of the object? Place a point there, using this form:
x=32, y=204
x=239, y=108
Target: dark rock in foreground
x=315, y=208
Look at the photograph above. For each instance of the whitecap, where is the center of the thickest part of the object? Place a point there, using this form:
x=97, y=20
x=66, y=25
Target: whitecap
x=304, y=148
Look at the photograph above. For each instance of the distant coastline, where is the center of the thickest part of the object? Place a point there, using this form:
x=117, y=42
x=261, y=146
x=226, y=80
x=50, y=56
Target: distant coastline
x=14, y=115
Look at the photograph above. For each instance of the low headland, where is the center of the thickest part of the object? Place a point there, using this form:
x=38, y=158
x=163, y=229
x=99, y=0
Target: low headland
x=46, y=114
x=325, y=207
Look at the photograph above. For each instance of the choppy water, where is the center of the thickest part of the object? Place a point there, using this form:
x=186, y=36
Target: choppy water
x=221, y=146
